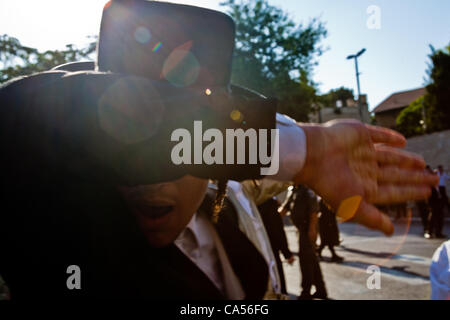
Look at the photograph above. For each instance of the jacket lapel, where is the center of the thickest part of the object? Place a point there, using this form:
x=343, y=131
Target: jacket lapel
x=248, y=264
x=185, y=274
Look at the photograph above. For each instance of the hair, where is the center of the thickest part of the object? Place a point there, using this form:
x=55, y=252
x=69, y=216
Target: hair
x=219, y=200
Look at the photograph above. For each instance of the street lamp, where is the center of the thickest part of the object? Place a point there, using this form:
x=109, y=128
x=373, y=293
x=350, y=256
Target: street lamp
x=355, y=56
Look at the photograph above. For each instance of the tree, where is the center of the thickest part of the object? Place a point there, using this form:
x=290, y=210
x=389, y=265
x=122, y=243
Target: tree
x=431, y=112
x=409, y=121
x=297, y=99
x=340, y=94
x=274, y=55
x=18, y=60
x=437, y=98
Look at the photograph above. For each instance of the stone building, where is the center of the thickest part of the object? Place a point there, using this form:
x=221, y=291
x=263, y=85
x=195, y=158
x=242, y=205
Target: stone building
x=387, y=111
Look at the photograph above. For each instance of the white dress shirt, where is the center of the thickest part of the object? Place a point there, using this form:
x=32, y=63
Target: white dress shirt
x=200, y=242
x=443, y=177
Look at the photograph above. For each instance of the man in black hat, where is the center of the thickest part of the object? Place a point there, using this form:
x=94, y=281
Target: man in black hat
x=70, y=139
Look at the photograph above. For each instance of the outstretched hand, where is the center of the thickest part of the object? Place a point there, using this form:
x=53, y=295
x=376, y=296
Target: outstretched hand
x=354, y=166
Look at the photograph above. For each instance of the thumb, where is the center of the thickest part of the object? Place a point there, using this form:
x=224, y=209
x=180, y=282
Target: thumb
x=369, y=216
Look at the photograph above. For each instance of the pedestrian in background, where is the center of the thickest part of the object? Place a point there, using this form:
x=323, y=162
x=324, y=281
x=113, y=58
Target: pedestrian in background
x=304, y=208
x=436, y=203
x=424, y=212
x=273, y=222
x=443, y=177
x=437, y=215
x=329, y=232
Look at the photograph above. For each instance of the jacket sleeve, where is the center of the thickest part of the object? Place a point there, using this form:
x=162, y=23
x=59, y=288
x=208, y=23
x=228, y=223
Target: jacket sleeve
x=264, y=189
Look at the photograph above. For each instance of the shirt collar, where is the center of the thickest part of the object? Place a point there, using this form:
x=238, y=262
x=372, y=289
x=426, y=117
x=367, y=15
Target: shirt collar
x=189, y=232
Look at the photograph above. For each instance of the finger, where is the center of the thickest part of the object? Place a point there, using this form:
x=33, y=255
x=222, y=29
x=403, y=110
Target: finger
x=391, y=193
x=386, y=155
x=395, y=175
x=369, y=216
x=386, y=136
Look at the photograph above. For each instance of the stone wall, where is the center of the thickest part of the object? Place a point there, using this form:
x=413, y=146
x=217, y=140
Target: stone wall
x=434, y=148
x=328, y=114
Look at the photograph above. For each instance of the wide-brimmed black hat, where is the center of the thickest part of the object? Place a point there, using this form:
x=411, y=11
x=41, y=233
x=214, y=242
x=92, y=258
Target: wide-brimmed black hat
x=185, y=45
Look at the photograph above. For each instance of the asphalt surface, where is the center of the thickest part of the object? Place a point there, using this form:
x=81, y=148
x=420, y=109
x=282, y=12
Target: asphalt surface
x=403, y=259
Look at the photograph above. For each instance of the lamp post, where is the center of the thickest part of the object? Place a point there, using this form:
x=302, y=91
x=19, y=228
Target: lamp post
x=355, y=56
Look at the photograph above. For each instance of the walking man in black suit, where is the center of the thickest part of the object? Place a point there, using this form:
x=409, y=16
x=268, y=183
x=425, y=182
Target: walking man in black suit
x=273, y=223
x=304, y=207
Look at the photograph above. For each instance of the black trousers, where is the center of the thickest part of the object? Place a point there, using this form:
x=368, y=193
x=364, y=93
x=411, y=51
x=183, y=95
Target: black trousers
x=443, y=192
x=309, y=266
x=281, y=272
x=437, y=217
x=424, y=215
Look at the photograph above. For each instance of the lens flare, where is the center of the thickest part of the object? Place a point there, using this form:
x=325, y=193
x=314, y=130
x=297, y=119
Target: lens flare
x=106, y=6
x=181, y=68
x=348, y=208
x=382, y=255
x=157, y=46
x=142, y=35
x=236, y=115
x=125, y=112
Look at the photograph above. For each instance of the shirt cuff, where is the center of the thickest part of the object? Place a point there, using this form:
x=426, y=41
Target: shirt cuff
x=292, y=148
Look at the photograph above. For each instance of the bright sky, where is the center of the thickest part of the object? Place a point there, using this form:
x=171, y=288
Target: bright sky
x=396, y=52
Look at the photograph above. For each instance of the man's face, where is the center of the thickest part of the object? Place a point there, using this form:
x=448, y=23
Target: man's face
x=163, y=210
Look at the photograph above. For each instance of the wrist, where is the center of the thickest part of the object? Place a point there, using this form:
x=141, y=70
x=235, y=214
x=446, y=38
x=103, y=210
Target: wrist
x=315, y=152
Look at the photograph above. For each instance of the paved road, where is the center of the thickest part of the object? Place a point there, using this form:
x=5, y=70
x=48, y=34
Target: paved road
x=404, y=261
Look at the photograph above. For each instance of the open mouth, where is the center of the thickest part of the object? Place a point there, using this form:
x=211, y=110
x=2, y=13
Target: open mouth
x=154, y=212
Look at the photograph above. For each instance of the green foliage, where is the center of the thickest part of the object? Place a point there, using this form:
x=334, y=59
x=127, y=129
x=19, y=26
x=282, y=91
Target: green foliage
x=434, y=107
x=18, y=60
x=296, y=99
x=373, y=120
x=438, y=91
x=409, y=120
x=274, y=55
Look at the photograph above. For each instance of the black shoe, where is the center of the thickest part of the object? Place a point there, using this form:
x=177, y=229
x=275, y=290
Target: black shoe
x=320, y=295
x=305, y=296
x=337, y=258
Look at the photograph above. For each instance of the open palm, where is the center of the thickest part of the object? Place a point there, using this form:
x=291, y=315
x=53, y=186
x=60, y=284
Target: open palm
x=354, y=166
